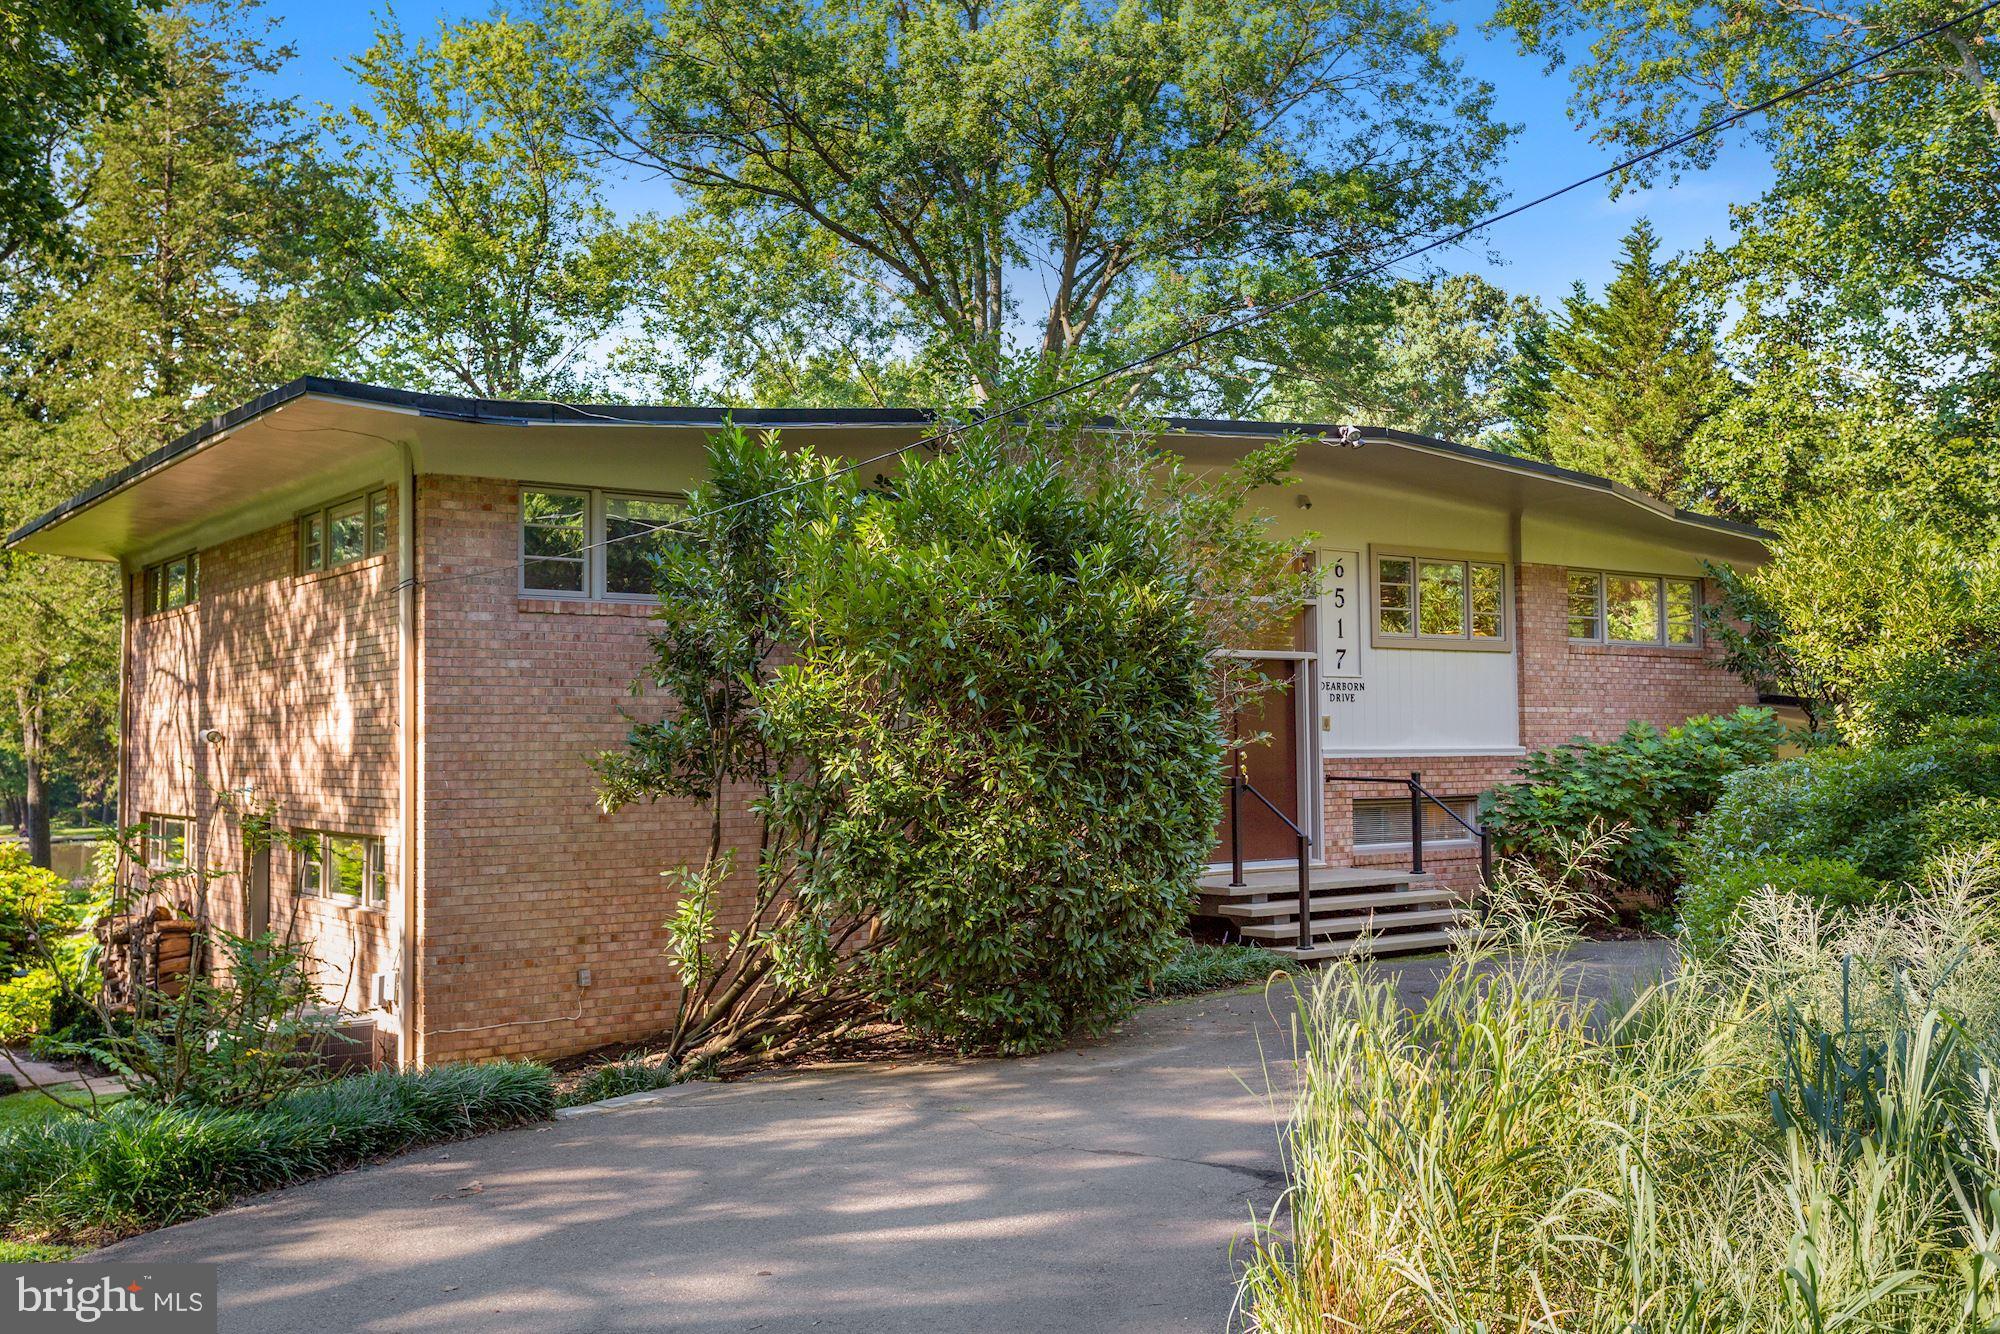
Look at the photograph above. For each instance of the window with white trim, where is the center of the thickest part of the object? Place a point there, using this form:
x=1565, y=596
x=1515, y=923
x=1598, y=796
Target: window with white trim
x=1384, y=822
x=346, y=868
x=579, y=542
x=164, y=841
x=1657, y=610
x=343, y=531
x=172, y=583
x=1440, y=601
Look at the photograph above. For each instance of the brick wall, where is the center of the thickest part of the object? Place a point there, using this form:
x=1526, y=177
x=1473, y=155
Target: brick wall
x=298, y=673
x=525, y=880
x=1592, y=690
x=1567, y=691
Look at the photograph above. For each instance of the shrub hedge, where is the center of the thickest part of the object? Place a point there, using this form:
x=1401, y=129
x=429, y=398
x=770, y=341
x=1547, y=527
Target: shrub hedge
x=1707, y=907
x=1887, y=813
x=140, y=1165
x=1650, y=782
x=1196, y=967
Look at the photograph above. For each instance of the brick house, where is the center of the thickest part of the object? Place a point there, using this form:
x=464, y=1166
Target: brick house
x=390, y=616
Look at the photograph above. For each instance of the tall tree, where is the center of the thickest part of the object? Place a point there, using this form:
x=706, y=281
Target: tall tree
x=1036, y=182
x=496, y=265
x=62, y=63
x=1868, y=274
x=1633, y=375
x=1441, y=365
x=194, y=281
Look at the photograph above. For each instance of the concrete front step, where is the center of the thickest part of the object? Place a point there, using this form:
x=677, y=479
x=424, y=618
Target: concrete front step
x=1287, y=905
x=1284, y=879
x=1342, y=927
x=1410, y=943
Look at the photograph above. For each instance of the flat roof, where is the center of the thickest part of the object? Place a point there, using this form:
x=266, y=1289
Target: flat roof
x=503, y=412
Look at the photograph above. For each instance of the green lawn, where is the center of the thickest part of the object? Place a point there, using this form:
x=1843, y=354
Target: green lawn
x=28, y=1253
x=20, y=1108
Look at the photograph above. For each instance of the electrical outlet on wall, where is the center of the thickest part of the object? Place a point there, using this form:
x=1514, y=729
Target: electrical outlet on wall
x=583, y=977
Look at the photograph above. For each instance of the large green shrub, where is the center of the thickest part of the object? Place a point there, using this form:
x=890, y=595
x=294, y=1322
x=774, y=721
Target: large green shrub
x=1921, y=692
x=1707, y=907
x=37, y=908
x=140, y=1165
x=976, y=706
x=1888, y=812
x=1648, y=782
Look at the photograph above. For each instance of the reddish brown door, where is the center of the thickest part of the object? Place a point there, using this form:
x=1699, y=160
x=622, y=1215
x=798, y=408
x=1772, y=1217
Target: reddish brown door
x=1271, y=764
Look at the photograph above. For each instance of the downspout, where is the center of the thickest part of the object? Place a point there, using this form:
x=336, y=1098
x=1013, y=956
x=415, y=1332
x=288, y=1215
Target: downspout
x=407, y=1026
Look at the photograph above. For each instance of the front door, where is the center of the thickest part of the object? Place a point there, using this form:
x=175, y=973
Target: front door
x=1271, y=764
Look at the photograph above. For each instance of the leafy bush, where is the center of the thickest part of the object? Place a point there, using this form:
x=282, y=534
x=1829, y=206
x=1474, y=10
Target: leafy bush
x=1798, y=1138
x=1885, y=812
x=237, y=1035
x=614, y=1079
x=1917, y=693
x=977, y=708
x=1647, y=783
x=141, y=1165
x=1197, y=966
x=25, y=1005
x=37, y=907
x=1707, y=908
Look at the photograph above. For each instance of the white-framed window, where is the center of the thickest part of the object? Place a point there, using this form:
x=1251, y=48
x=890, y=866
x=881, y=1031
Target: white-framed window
x=1609, y=608
x=1384, y=822
x=1440, y=601
x=584, y=542
x=343, y=531
x=172, y=583
x=165, y=841
x=346, y=868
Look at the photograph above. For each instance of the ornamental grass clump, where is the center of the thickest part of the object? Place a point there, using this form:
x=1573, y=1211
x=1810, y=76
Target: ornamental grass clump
x=1798, y=1136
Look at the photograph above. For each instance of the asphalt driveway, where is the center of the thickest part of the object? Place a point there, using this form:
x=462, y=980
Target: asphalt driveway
x=1111, y=1187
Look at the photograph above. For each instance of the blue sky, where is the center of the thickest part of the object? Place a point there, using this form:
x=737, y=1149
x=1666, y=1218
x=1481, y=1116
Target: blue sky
x=1540, y=253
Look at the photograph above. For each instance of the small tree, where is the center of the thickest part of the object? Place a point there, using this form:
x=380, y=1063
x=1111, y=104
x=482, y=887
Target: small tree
x=971, y=711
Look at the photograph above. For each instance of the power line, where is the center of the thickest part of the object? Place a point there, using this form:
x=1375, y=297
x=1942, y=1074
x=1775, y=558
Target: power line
x=1260, y=313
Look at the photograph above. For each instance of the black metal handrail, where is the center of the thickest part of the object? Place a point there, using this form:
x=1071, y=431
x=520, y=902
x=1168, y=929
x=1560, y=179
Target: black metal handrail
x=1239, y=783
x=1419, y=794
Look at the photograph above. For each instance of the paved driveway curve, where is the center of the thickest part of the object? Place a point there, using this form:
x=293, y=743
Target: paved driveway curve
x=1102, y=1188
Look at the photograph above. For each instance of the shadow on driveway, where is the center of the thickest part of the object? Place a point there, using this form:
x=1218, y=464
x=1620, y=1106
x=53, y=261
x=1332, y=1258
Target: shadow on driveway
x=1097, y=1189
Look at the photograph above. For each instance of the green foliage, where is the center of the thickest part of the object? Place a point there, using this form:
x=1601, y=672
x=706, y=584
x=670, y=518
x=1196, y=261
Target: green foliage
x=1631, y=377
x=494, y=261
x=978, y=706
x=62, y=62
x=1870, y=597
x=616, y=1078
x=22, y=1253
x=1798, y=1138
x=142, y=1165
x=1196, y=966
x=1044, y=182
x=240, y=1033
x=1864, y=274
x=36, y=908
x=27, y=1004
x=1886, y=812
x=1647, y=784
x=1707, y=907
x=1442, y=364
x=1920, y=692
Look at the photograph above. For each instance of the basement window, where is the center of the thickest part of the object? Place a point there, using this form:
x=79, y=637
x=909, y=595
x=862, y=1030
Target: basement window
x=343, y=531
x=1384, y=822
x=1634, y=609
x=164, y=842
x=172, y=583
x=346, y=868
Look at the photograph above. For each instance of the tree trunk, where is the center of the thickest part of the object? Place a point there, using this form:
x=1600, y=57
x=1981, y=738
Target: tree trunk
x=35, y=806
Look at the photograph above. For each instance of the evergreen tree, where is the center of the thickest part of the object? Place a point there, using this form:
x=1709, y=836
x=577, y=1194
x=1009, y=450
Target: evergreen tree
x=194, y=283
x=1634, y=375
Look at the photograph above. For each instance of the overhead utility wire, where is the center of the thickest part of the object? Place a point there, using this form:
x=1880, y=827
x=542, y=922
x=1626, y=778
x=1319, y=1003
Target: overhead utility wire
x=1260, y=313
